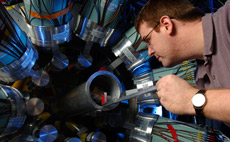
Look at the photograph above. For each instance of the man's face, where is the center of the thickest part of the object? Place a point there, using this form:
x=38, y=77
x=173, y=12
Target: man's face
x=159, y=43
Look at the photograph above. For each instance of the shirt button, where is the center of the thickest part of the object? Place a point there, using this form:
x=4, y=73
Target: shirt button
x=213, y=77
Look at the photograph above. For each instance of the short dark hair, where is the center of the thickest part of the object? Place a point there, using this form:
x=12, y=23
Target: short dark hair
x=178, y=9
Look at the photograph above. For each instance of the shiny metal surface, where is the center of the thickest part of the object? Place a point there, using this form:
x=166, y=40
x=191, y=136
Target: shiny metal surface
x=121, y=48
x=60, y=61
x=134, y=64
x=143, y=82
x=21, y=68
x=96, y=137
x=17, y=109
x=50, y=36
x=80, y=100
x=35, y=106
x=90, y=31
x=124, y=49
x=40, y=77
x=143, y=128
x=48, y=133
x=132, y=95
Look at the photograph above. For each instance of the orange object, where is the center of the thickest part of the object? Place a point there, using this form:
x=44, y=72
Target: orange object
x=52, y=16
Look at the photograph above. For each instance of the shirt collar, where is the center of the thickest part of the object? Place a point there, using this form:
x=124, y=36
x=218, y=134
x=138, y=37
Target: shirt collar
x=207, y=25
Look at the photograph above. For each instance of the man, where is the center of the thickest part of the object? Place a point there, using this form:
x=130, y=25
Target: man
x=176, y=31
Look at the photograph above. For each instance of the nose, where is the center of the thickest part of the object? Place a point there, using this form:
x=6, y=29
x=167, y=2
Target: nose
x=151, y=51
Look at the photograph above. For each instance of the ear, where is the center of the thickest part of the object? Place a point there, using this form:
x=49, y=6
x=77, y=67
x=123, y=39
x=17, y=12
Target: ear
x=167, y=24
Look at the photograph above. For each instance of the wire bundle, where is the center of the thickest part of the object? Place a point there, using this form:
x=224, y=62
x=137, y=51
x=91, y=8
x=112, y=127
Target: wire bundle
x=184, y=132
x=102, y=12
x=48, y=13
x=13, y=40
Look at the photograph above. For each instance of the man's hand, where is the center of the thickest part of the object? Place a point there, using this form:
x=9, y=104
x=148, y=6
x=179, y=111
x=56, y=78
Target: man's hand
x=175, y=95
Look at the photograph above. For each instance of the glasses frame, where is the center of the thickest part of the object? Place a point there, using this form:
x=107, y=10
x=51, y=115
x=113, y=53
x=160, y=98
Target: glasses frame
x=157, y=24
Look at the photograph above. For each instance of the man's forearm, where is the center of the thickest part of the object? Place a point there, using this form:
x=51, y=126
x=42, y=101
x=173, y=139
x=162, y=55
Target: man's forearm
x=218, y=104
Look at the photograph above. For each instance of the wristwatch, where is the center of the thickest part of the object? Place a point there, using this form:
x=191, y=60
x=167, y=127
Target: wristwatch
x=199, y=101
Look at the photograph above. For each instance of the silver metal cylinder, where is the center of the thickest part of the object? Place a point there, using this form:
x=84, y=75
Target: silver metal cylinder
x=80, y=100
x=13, y=110
x=40, y=77
x=124, y=49
x=60, y=61
x=90, y=31
x=48, y=36
x=48, y=133
x=142, y=82
x=35, y=106
x=21, y=68
x=121, y=48
x=143, y=128
x=95, y=137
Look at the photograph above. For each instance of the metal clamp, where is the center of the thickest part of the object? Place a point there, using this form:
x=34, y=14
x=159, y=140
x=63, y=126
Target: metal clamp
x=90, y=31
x=50, y=36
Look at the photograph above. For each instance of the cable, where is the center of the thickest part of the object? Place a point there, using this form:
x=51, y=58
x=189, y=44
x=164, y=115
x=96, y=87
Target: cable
x=22, y=11
x=61, y=18
x=8, y=25
x=104, y=13
x=39, y=12
x=13, y=33
x=97, y=10
x=137, y=43
x=64, y=16
x=220, y=2
x=8, y=53
x=54, y=20
x=114, y=16
x=90, y=13
x=185, y=134
x=83, y=6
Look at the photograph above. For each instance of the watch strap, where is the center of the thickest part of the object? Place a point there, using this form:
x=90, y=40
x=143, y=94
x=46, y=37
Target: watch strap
x=202, y=91
x=199, y=111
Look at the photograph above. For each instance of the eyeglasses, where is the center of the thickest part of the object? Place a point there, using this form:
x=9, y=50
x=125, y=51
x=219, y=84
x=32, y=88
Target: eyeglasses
x=145, y=38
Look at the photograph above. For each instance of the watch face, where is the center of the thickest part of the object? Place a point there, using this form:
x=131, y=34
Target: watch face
x=198, y=100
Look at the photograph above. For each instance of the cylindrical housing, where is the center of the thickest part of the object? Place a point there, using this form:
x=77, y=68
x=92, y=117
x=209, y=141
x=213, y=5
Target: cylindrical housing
x=48, y=133
x=17, y=54
x=94, y=10
x=19, y=69
x=143, y=78
x=49, y=22
x=124, y=49
x=94, y=137
x=48, y=12
x=13, y=112
x=80, y=100
x=48, y=36
x=90, y=31
x=17, y=40
x=142, y=82
x=142, y=131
